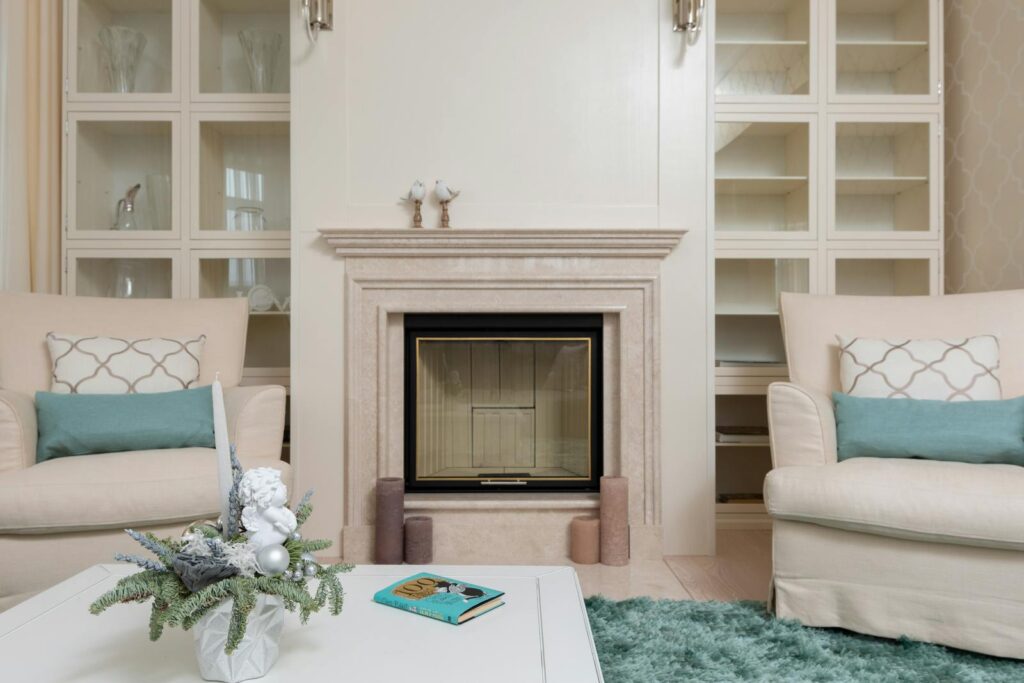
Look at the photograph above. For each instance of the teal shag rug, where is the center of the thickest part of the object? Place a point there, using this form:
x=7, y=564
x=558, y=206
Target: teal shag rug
x=665, y=641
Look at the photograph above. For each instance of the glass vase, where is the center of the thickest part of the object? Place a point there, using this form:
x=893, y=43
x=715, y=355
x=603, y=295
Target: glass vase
x=261, y=49
x=120, y=51
x=256, y=653
x=129, y=281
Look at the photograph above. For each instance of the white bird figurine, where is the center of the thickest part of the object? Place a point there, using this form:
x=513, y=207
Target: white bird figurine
x=416, y=193
x=443, y=192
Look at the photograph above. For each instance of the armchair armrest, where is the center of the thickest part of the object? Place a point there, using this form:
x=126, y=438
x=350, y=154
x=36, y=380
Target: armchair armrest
x=18, y=431
x=256, y=421
x=802, y=425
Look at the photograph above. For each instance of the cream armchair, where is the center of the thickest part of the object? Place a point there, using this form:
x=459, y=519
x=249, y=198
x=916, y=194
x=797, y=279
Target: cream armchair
x=60, y=516
x=889, y=547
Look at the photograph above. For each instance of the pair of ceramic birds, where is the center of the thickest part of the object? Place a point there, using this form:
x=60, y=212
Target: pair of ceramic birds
x=418, y=192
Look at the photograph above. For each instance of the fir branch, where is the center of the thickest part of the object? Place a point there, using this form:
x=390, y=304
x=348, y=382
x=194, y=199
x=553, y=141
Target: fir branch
x=134, y=588
x=244, y=601
x=152, y=544
x=314, y=545
x=304, y=509
x=143, y=562
x=190, y=610
x=291, y=592
x=157, y=619
x=334, y=589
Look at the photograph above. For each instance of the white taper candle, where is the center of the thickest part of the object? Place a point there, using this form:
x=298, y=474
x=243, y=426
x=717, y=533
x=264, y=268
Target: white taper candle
x=223, y=444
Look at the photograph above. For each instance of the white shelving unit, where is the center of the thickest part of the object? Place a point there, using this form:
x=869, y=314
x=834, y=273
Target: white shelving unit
x=827, y=179
x=208, y=146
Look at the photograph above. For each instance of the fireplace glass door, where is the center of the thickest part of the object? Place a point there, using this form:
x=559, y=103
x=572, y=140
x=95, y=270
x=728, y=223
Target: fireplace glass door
x=506, y=405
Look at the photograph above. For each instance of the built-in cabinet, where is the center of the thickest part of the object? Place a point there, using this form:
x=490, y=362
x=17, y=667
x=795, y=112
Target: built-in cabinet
x=176, y=178
x=827, y=179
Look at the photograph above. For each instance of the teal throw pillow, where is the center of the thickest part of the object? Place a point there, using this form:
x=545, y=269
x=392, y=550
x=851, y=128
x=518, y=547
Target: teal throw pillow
x=959, y=431
x=80, y=424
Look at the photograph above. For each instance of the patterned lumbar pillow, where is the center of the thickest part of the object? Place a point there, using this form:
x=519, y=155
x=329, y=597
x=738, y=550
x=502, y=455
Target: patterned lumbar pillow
x=108, y=365
x=932, y=369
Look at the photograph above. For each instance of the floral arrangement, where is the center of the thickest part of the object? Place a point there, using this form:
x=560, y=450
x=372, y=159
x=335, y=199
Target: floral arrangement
x=258, y=549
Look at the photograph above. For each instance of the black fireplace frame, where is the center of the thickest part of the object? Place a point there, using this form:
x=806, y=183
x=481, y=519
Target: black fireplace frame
x=505, y=325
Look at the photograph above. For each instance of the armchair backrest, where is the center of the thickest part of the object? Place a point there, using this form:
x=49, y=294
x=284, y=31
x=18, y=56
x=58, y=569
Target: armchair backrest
x=25, y=319
x=811, y=322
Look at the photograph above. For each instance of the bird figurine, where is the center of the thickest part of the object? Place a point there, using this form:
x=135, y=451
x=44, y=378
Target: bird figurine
x=416, y=195
x=445, y=195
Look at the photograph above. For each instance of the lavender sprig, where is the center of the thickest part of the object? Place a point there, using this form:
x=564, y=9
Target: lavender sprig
x=143, y=562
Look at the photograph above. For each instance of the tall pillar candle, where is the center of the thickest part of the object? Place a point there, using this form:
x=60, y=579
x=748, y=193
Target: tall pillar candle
x=390, y=515
x=615, y=521
x=223, y=444
x=419, y=540
x=585, y=540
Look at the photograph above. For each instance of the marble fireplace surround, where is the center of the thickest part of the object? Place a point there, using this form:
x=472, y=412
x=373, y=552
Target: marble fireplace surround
x=388, y=273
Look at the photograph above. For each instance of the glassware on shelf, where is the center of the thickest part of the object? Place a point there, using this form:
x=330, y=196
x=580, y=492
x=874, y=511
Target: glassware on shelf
x=261, y=49
x=120, y=51
x=249, y=219
x=158, y=199
x=126, y=218
x=129, y=281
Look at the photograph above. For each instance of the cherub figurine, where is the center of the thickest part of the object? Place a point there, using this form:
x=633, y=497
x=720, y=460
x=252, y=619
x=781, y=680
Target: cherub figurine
x=263, y=496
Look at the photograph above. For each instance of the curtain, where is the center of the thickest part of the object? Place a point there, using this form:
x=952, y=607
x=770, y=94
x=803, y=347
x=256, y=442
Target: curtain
x=31, y=134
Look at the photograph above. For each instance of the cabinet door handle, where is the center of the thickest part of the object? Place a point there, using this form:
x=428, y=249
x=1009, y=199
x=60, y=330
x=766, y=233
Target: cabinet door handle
x=688, y=20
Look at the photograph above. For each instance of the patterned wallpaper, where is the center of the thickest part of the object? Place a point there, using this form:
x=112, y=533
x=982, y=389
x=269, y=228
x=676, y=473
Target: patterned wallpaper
x=984, y=145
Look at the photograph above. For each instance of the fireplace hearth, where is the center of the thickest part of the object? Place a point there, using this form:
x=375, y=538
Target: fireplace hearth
x=503, y=402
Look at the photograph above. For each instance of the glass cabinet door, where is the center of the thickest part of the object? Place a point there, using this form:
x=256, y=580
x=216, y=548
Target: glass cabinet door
x=897, y=273
x=883, y=178
x=763, y=179
x=123, y=49
x=132, y=274
x=124, y=171
x=762, y=50
x=883, y=50
x=747, y=289
x=241, y=176
x=243, y=49
x=264, y=278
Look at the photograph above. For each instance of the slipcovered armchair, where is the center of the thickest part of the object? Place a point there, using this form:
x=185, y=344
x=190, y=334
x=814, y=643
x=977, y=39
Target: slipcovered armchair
x=63, y=515
x=891, y=547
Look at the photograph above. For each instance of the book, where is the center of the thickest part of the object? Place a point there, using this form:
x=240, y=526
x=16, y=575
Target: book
x=439, y=597
x=756, y=435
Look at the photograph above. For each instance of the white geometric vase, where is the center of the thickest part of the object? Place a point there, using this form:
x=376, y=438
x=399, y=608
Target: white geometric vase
x=255, y=654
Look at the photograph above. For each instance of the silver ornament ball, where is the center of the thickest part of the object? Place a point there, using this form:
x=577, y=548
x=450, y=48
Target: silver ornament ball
x=273, y=559
x=296, y=536
x=307, y=557
x=310, y=570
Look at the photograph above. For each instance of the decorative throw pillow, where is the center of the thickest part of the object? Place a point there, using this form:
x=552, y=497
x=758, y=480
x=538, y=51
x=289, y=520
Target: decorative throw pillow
x=930, y=369
x=108, y=365
x=956, y=431
x=81, y=425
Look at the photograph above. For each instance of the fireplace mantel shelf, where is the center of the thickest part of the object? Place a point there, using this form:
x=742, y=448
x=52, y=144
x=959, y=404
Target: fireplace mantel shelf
x=426, y=242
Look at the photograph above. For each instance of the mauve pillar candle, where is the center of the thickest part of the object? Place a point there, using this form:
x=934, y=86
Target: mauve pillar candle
x=585, y=540
x=419, y=540
x=390, y=515
x=614, y=521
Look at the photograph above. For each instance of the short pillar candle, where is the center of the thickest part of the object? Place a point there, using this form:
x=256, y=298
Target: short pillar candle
x=419, y=540
x=388, y=525
x=585, y=540
x=615, y=521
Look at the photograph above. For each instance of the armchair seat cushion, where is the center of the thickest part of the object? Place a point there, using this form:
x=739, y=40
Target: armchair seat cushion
x=942, y=502
x=115, y=490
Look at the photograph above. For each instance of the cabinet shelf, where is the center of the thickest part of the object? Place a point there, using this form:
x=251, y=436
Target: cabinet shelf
x=878, y=186
x=877, y=56
x=753, y=185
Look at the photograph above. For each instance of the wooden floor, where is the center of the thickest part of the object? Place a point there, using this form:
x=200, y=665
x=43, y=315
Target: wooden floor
x=741, y=570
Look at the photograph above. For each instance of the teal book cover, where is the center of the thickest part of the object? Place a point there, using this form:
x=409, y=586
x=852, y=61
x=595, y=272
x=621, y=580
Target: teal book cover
x=439, y=597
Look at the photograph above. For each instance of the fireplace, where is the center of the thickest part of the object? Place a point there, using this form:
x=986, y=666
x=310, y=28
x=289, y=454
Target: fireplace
x=507, y=402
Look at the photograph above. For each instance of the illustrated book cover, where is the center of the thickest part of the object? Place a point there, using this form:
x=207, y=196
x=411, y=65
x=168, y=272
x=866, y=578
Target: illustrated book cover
x=439, y=597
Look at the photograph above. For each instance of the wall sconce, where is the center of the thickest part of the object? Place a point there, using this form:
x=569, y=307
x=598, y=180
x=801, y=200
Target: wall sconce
x=318, y=15
x=688, y=15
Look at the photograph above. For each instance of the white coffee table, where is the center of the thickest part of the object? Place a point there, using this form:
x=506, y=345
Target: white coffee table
x=541, y=634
